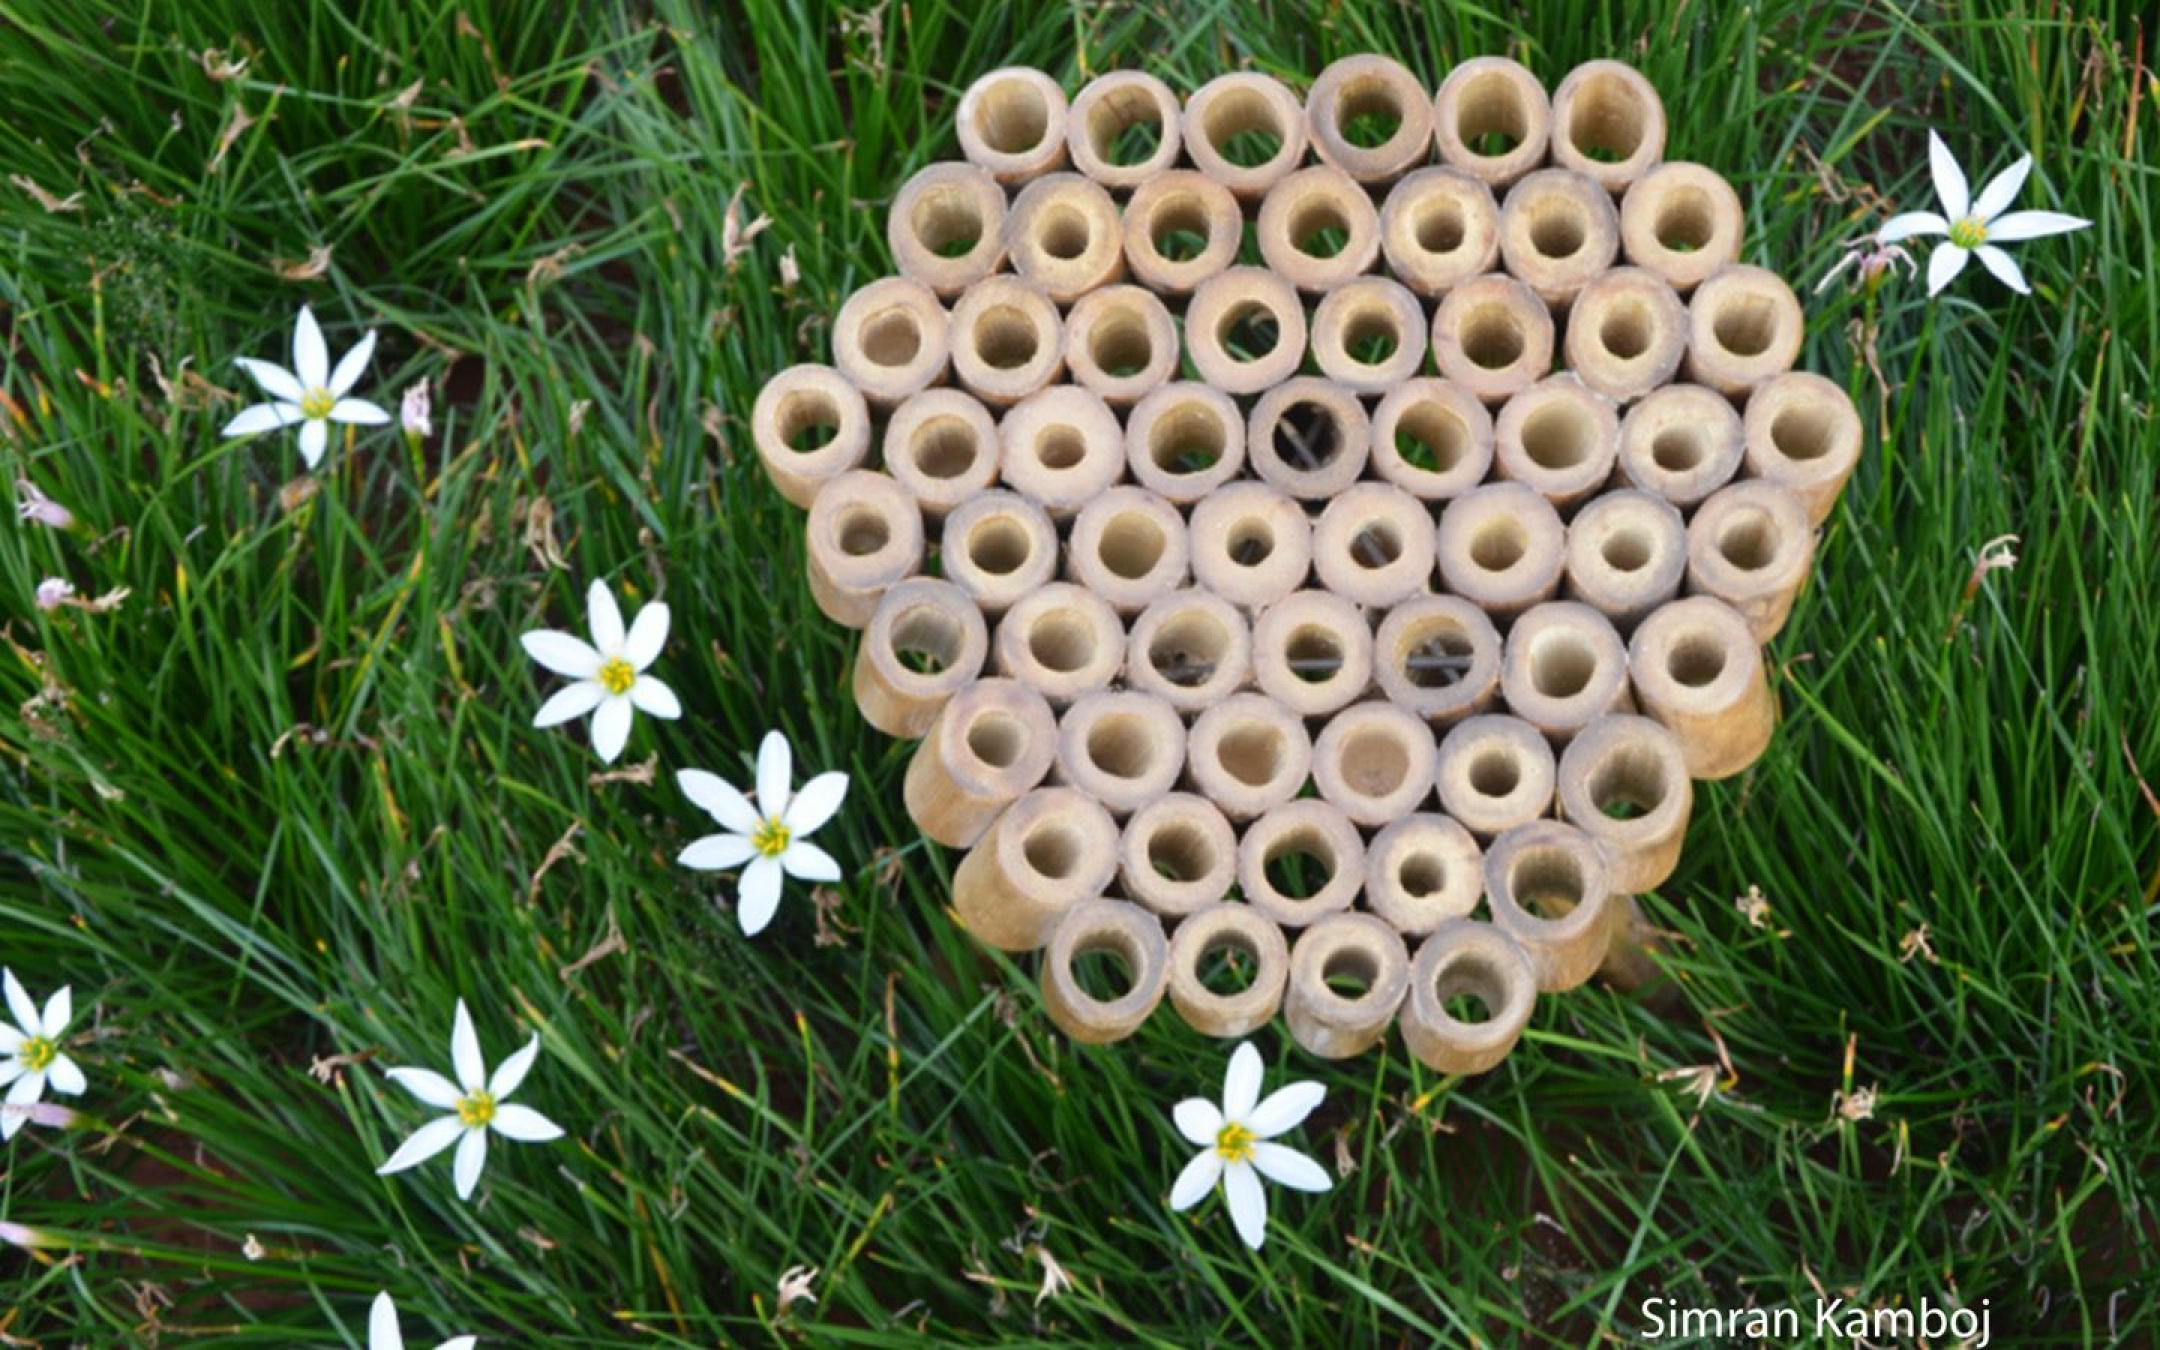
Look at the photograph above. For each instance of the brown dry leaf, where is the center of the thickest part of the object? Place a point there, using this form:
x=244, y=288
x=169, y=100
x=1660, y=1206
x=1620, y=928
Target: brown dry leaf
x=53, y=205
x=235, y=127
x=219, y=69
x=540, y=535
x=309, y=268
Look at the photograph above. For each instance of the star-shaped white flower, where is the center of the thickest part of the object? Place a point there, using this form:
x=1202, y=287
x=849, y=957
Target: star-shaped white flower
x=609, y=670
x=477, y=1102
x=772, y=836
x=34, y=1058
x=1237, y=1145
x=383, y=1333
x=1975, y=225
x=311, y=393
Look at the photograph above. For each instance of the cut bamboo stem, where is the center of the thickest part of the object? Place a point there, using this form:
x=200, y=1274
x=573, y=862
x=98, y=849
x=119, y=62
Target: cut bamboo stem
x=1012, y=124
x=865, y=535
x=1129, y=546
x=890, y=340
x=1309, y=437
x=1046, y=853
x=1626, y=555
x=1061, y=448
x=1558, y=232
x=1251, y=545
x=942, y=446
x=1191, y=649
x=1559, y=438
x=1550, y=890
x=1301, y=862
x=1696, y=668
x=1064, y=235
x=946, y=227
x=1491, y=99
x=1422, y=871
x=1683, y=222
x=1358, y=97
x=1369, y=335
x=1751, y=545
x=1493, y=336
x=1682, y=443
x=1317, y=229
x=1494, y=772
x=1181, y=228
x=1374, y=763
x=1439, y=228
x=1627, y=333
x=1184, y=441
x=809, y=426
x=1624, y=782
x=925, y=643
x=1744, y=328
x=1122, y=748
x=1464, y=958
x=1356, y=949
x=1245, y=330
x=992, y=743
x=1125, y=931
x=1248, y=754
x=1565, y=667
x=1374, y=546
x=1061, y=640
x=1121, y=343
x=1432, y=438
x=1608, y=124
x=1110, y=109
x=1233, y=930
x=1439, y=657
x=1237, y=105
x=1178, y=855
x=998, y=547
x=1312, y=653
x=1502, y=547
x=1008, y=342
x=1803, y=433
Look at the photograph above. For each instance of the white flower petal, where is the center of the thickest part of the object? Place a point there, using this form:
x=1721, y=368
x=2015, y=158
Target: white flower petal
x=604, y=617
x=2001, y=190
x=648, y=634
x=465, y=1057
x=807, y=862
x=757, y=895
x=352, y=365
x=570, y=702
x=1285, y=1109
x=314, y=439
x=2005, y=270
x=310, y=357
x=1288, y=1167
x=357, y=411
x=524, y=1124
x=1909, y=224
x=471, y=1157
x=2031, y=225
x=775, y=770
x=611, y=728
x=10, y=1070
x=1944, y=264
x=20, y=1004
x=429, y=1086
x=719, y=799
x=1950, y=185
x=260, y=418
x=562, y=653
x=1248, y=1202
x=459, y=1343
x=816, y=803
x=66, y=1076
x=10, y=1039
x=511, y=1072
x=1199, y=1120
x=1241, y=1085
x=427, y=1141
x=1196, y=1179
x=383, y=1333
x=272, y=379
x=717, y=853
x=655, y=698
x=24, y=1093
x=59, y=1011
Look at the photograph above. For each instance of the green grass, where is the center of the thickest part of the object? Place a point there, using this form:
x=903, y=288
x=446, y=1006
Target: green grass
x=284, y=805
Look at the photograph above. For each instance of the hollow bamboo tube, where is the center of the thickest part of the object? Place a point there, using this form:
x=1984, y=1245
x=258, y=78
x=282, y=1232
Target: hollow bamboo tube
x=865, y=536
x=1486, y=98
x=1501, y=546
x=1626, y=555
x=1248, y=754
x=1803, y=433
x=1558, y=232
x=991, y=743
x=1167, y=211
x=942, y=446
x=1241, y=305
x=1565, y=667
x=1624, y=782
x=1631, y=964
x=1007, y=340
x=1696, y=668
x=1744, y=328
x=1135, y=938
x=1550, y=890
x=1251, y=544
x=1062, y=640
x=1120, y=342
x=1438, y=229
x=1326, y=842
x=1312, y=653
x=1422, y=871
x=890, y=340
x=1478, y=960
x=998, y=547
x=1309, y=437
x=946, y=227
x=1608, y=124
x=1191, y=649
x=1060, y=448
x=934, y=622
x=1432, y=438
x=1751, y=545
x=1493, y=336
x=1369, y=335
x=1129, y=547
x=1122, y=748
x=1374, y=762
x=1111, y=105
x=1559, y=438
x=1244, y=104
x=1681, y=443
x=1439, y=657
x=1683, y=222
x=1355, y=88
x=1373, y=545
x=1235, y=929
x=1494, y=772
x=1626, y=333
x=1184, y=440
x=1012, y=124
x=1358, y=946
x=1064, y=234
x=1047, y=852
x=1318, y=229
x=809, y=401
x=1178, y=855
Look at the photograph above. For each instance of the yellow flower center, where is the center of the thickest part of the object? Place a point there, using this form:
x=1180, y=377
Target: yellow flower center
x=316, y=403
x=1234, y=1142
x=771, y=838
x=476, y=1111
x=1971, y=232
x=37, y=1053
x=616, y=676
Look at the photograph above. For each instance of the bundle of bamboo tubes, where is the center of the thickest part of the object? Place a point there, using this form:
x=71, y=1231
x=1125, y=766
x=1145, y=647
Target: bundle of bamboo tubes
x=1350, y=602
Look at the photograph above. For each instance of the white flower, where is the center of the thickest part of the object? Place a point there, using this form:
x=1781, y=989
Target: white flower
x=609, y=670
x=413, y=412
x=383, y=1333
x=32, y=1045
x=772, y=836
x=311, y=392
x=1237, y=1147
x=35, y=505
x=54, y=592
x=477, y=1102
x=1975, y=225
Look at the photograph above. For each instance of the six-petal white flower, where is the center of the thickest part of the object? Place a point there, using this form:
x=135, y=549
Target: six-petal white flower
x=383, y=1333
x=311, y=393
x=1237, y=1144
x=1973, y=225
x=477, y=1102
x=772, y=836
x=609, y=670
x=34, y=1057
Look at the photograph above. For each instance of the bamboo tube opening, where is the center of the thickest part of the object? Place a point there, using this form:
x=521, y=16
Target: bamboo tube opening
x=1245, y=131
x=1494, y=772
x=1309, y=437
x=890, y=340
x=946, y=227
x=1550, y=890
x=1559, y=438
x=1185, y=440
x=1348, y=975
x=1744, y=328
x=1493, y=336
x=1228, y=970
x=1501, y=546
x=865, y=535
x=1374, y=762
x=1300, y=862
x=1007, y=341
x=1626, y=334
x=1248, y=754
x=1431, y=438
x=1803, y=433
x=993, y=742
x=1012, y=124
x=1370, y=118
x=1682, y=443
x=1374, y=545
x=1318, y=229
x=1190, y=649
x=1120, y=342
x=1439, y=228
x=1683, y=222
x=1064, y=235
x=1422, y=871
x=1181, y=228
x=1608, y=124
x=998, y=546
x=1369, y=335
x=1129, y=546
x=1624, y=782
x=1062, y=640
x=926, y=642
x=1047, y=852
x=1564, y=668
x=1491, y=120
x=942, y=446
x=1061, y=448
x=1751, y=545
x=1178, y=855
x=1478, y=971
x=1626, y=555
x=809, y=426
x=1438, y=657
x=1250, y=544
x=1558, y=232
x=1133, y=941
x=1245, y=330
x=1124, y=749
x=1696, y=669
x=1312, y=653
x=1123, y=128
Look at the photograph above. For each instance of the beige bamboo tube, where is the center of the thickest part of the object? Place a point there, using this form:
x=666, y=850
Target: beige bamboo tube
x=1432, y=438
x=1744, y=328
x=1439, y=657
x=1061, y=448
x=1064, y=234
x=1124, y=931
x=1683, y=222
x=1608, y=124
x=1626, y=333
x=1422, y=871
x=1559, y=438
x=1751, y=545
x=998, y=547
x=1803, y=433
x=1369, y=90
x=1494, y=772
x=1191, y=649
x=1047, y=852
x=1129, y=547
x=1318, y=229
x=926, y=642
x=1438, y=229
x=1465, y=958
x=1228, y=928
x=942, y=446
x=1248, y=754
x=1624, y=782
x=1493, y=336
x=1356, y=947
x=1184, y=440
x=809, y=426
x=1696, y=668
x=1312, y=653
x=1374, y=762
x=1245, y=330
x=1631, y=963
x=1626, y=555
x=1501, y=546
x=1492, y=120
x=1105, y=111
x=865, y=536
x=1178, y=855
x=1251, y=545
x=946, y=227
x=1369, y=335
x=993, y=742
x=1181, y=228
x=1558, y=232
x=1122, y=748
x=1550, y=890
x=1062, y=640
x=1565, y=667
x=1012, y=124
x=1230, y=112
x=891, y=340
x=1120, y=342
x=1373, y=545
x=1328, y=855
x=1681, y=443
x=1309, y=437
x=1008, y=342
